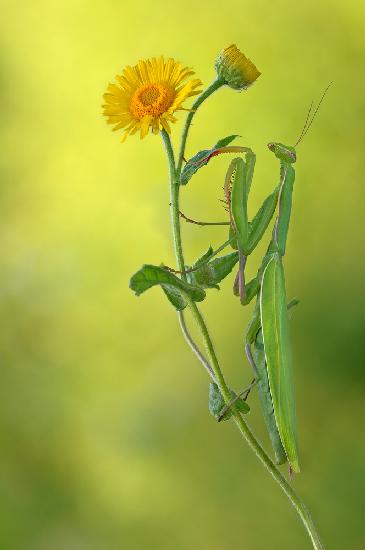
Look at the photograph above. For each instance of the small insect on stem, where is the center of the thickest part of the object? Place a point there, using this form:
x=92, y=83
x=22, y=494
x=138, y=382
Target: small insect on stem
x=244, y=394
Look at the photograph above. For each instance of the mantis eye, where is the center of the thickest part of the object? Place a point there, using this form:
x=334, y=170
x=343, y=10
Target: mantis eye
x=271, y=146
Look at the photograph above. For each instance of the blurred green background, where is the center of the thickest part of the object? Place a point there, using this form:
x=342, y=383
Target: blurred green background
x=106, y=441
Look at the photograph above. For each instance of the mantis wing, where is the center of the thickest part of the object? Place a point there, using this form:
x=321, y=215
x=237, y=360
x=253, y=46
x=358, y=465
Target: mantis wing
x=265, y=399
x=274, y=322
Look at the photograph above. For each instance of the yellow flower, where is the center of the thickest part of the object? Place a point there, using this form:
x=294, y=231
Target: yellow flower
x=147, y=95
x=235, y=69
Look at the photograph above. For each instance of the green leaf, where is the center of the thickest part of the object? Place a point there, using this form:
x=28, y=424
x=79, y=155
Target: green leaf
x=216, y=403
x=175, y=289
x=265, y=399
x=262, y=219
x=204, y=258
x=225, y=141
x=175, y=297
x=197, y=161
x=213, y=272
x=239, y=202
x=274, y=322
x=202, y=158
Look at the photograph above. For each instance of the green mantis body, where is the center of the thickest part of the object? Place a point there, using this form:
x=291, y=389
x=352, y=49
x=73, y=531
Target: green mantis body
x=268, y=330
x=267, y=333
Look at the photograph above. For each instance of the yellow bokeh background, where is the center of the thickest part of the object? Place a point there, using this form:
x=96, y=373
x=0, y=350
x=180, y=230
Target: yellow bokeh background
x=106, y=441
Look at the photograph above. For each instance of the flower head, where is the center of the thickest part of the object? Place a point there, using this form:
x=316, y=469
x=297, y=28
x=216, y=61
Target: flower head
x=235, y=69
x=147, y=95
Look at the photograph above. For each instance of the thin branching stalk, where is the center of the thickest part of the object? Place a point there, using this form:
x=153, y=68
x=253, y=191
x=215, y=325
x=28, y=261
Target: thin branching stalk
x=192, y=344
x=214, y=86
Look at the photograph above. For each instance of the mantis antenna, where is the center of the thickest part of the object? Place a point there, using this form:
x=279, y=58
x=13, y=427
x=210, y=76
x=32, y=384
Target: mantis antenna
x=305, y=124
x=309, y=120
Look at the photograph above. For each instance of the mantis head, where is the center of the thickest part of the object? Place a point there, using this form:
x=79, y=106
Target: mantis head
x=285, y=153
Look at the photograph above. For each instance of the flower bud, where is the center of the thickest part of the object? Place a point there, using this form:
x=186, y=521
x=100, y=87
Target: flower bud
x=235, y=68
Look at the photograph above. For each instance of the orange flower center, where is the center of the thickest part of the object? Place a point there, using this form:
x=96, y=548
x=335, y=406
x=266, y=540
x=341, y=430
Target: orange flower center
x=151, y=100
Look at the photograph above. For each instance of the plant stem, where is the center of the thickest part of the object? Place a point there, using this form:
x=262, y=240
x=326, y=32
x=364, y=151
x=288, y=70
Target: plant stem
x=213, y=360
x=174, y=203
x=193, y=346
x=215, y=85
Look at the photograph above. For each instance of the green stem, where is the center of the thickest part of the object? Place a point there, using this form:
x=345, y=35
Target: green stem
x=193, y=346
x=174, y=203
x=213, y=360
x=215, y=85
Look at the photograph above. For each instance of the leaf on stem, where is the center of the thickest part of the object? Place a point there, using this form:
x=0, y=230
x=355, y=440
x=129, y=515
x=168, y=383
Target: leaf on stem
x=203, y=157
x=175, y=288
x=214, y=271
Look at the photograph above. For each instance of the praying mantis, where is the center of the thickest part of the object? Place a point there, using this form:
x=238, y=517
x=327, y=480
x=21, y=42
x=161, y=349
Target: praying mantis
x=268, y=329
x=267, y=343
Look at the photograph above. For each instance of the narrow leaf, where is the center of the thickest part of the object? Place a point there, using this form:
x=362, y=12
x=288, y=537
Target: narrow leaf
x=225, y=141
x=274, y=321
